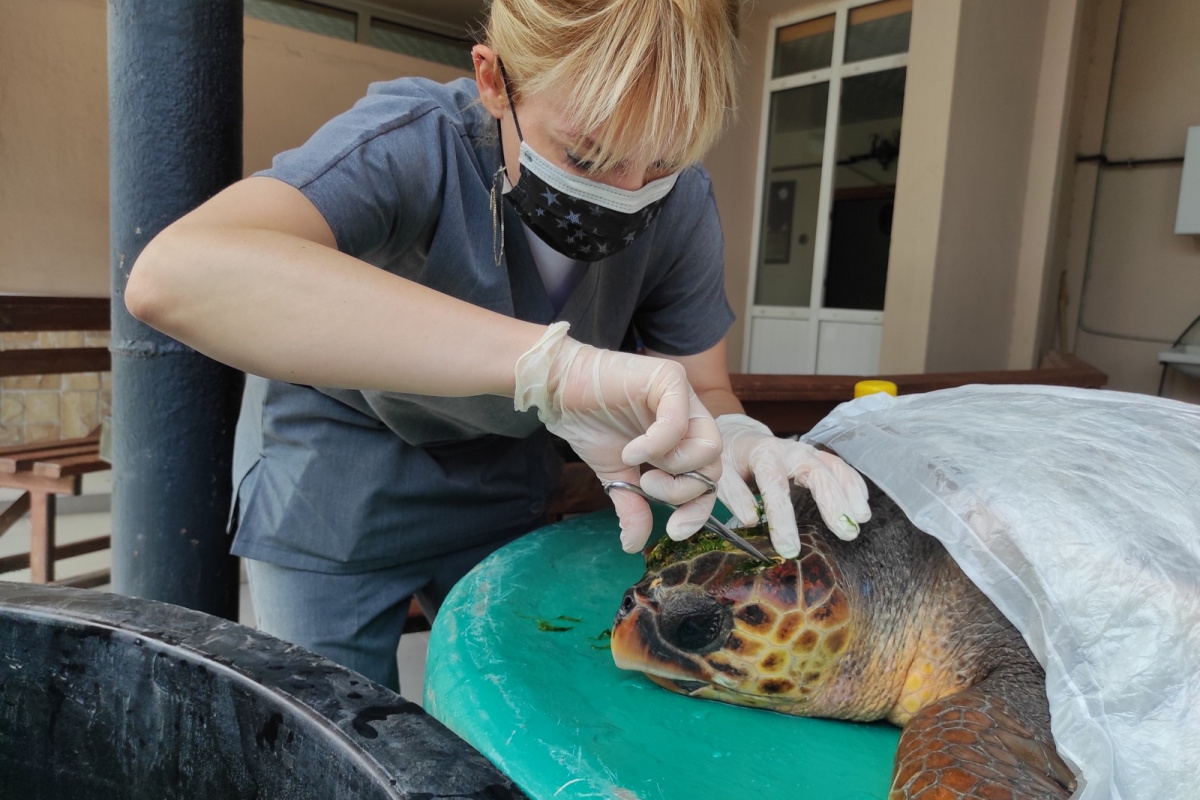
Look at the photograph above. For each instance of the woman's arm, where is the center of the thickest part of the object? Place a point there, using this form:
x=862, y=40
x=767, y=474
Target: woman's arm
x=253, y=278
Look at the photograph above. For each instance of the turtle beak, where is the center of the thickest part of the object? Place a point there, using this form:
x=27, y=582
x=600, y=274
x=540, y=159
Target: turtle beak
x=633, y=651
x=637, y=644
x=630, y=643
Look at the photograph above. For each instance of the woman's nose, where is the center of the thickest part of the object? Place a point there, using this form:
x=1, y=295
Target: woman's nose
x=631, y=184
x=628, y=179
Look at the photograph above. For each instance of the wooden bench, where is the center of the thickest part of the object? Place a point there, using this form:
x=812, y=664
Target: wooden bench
x=42, y=471
x=793, y=404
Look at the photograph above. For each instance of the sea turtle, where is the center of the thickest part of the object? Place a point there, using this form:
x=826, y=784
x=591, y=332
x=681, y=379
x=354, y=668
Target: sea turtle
x=883, y=627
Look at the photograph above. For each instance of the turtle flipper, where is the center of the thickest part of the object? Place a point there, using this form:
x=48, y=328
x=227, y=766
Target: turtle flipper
x=974, y=746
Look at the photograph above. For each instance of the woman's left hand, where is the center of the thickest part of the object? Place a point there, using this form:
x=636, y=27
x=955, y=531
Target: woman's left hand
x=752, y=452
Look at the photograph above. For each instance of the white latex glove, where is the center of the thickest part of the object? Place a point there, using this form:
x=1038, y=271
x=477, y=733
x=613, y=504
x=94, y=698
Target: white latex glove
x=752, y=451
x=618, y=411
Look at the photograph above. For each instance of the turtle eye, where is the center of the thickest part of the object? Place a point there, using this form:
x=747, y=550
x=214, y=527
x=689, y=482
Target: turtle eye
x=695, y=632
x=695, y=623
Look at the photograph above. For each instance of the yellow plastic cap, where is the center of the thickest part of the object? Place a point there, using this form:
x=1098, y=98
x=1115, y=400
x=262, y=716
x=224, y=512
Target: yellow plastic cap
x=872, y=387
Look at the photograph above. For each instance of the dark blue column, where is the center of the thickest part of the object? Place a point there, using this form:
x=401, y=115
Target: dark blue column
x=175, y=139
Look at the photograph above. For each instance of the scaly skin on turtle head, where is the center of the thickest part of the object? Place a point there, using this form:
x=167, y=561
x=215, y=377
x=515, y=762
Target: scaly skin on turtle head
x=709, y=621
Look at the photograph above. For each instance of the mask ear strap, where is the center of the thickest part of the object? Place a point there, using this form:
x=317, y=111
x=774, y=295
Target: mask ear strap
x=508, y=92
x=496, y=209
x=496, y=204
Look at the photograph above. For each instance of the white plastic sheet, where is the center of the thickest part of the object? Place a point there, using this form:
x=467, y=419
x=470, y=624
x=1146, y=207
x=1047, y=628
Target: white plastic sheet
x=1078, y=513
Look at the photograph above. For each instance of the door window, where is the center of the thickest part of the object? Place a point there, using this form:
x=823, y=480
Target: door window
x=833, y=105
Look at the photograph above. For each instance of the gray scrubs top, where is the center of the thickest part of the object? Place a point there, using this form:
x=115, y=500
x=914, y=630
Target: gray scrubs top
x=335, y=480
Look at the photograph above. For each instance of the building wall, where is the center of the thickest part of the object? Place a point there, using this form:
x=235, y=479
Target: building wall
x=54, y=127
x=983, y=136
x=987, y=168
x=925, y=138
x=53, y=148
x=1131, y=284
x=1050, y=163
x=36, y=408
x=54, y=168
x=978, y=255
x=295, y=81
x=734, y=162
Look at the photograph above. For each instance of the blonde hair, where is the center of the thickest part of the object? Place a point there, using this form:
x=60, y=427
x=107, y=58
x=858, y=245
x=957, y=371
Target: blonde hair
x=638, y=73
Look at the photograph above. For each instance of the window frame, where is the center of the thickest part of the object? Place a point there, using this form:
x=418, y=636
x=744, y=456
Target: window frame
x=815, y=313
x=366, y=12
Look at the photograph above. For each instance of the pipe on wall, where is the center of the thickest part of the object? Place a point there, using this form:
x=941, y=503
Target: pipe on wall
x=175, y=139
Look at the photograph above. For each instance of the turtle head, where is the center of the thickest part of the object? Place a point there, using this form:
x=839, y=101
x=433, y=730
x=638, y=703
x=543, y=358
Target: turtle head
x=709, y=621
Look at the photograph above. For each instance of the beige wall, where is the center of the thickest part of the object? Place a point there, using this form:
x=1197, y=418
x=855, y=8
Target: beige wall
x=1005, y=134
x=53, y=147
x=54, y=128
x=734, y=162
x=987, y=166
x=295, y=81
x=1050, y=160
x=54, y=167
x=921, y=185
x=1132, y=284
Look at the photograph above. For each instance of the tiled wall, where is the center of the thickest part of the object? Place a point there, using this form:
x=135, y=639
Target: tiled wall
x=46, y=407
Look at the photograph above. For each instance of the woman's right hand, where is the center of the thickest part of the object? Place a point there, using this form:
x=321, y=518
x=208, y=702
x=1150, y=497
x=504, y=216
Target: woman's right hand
x=619, y=411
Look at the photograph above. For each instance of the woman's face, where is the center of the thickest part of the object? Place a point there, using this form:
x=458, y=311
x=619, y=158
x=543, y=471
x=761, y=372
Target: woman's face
x=547, y=131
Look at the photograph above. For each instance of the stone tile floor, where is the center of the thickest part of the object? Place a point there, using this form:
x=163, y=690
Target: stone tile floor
x=87, y=516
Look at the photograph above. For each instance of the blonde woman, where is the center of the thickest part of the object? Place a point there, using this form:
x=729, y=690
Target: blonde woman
x=400, y=290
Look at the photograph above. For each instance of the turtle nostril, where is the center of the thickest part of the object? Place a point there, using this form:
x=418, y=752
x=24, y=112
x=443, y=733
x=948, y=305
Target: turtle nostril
x=627, y=604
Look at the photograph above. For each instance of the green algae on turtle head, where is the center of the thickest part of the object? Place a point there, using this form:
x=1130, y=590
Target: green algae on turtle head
x=668, y=551
x=752, y=566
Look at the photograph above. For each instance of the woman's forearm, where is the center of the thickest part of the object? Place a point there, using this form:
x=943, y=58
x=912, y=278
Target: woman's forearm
x=275, y=305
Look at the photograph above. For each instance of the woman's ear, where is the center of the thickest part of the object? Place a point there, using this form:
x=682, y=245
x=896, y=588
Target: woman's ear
x=489, y=80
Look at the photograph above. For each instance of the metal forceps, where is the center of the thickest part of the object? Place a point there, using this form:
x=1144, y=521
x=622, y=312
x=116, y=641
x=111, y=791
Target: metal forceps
x=712, y=523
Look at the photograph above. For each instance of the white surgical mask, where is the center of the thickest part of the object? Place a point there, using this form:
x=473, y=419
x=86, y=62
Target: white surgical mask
x=622, y=201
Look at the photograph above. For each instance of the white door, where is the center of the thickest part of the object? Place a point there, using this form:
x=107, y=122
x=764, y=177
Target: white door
x=834, y=98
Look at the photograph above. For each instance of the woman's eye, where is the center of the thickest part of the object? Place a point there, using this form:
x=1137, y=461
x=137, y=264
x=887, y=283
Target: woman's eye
x=581, y=164
x=661, y=169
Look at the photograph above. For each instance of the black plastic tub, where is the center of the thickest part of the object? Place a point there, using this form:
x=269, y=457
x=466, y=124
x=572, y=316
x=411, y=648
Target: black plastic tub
x=103, y=696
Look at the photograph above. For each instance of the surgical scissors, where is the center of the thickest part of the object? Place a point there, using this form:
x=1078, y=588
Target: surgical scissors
x=712, y=523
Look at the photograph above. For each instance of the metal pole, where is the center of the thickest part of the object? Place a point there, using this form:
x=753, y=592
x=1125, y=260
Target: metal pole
x=175, y=139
